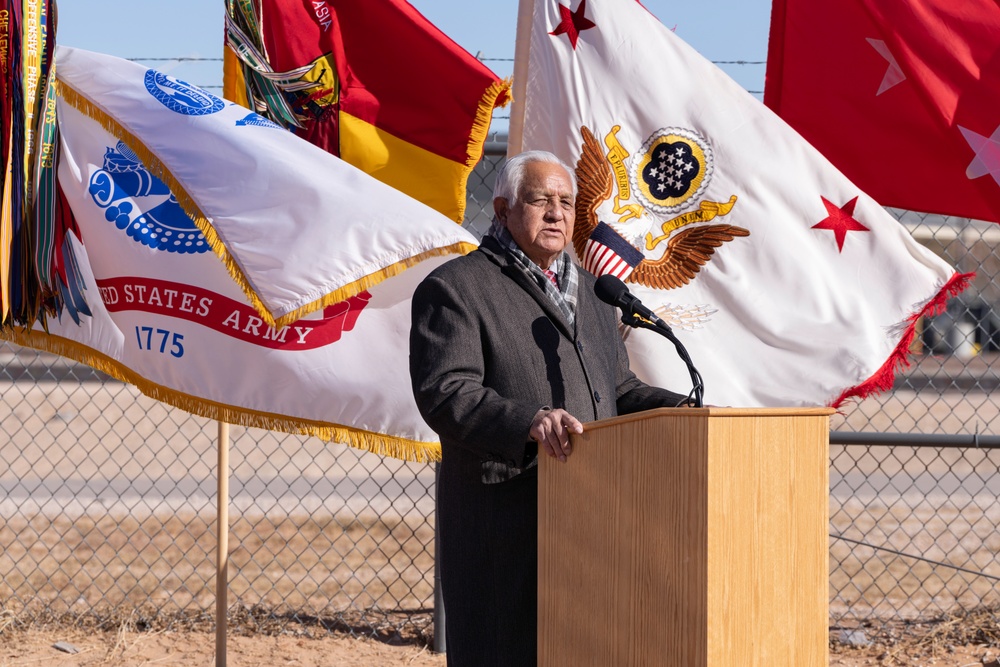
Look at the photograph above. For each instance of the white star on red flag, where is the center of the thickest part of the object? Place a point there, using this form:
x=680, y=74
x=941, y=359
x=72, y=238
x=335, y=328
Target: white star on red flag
x=894, y=74
x=987, y=160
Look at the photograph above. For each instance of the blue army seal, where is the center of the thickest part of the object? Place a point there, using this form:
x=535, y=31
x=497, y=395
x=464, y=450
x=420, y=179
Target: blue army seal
x=181, y=97
x=142, y=206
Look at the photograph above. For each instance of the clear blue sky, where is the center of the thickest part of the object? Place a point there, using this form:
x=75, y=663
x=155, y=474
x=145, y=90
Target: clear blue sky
x=721, y=30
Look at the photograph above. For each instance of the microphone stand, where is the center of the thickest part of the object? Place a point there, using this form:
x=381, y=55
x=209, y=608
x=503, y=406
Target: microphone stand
x=660, y=327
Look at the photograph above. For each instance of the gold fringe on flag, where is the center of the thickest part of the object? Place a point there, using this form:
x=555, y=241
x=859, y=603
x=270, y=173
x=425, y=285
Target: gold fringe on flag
x=93, y=111
x=377, y=443
x=479, y=132
x=358, y=286
x=484, y=115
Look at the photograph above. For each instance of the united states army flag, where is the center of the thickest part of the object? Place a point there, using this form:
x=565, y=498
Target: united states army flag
x=233, y=269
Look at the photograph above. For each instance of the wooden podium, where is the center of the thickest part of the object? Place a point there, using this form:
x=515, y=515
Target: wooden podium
x=687, y=537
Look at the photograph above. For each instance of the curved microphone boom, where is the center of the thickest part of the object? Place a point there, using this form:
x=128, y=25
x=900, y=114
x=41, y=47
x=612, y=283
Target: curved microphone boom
x=613, y=291
x=610, y=289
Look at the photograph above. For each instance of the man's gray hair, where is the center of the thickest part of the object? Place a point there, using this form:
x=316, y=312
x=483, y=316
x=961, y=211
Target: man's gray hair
x=509, y=180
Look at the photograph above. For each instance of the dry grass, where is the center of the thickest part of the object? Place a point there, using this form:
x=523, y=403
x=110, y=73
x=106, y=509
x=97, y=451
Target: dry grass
x=7, y=619
x=314, y=573
x=129, y=579
x=901, y=643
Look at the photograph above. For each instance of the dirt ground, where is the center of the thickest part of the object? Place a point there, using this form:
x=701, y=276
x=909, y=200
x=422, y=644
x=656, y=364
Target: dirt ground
x=194, y=649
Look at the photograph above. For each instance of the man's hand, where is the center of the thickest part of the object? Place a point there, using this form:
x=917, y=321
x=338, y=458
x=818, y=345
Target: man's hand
x=551, y=429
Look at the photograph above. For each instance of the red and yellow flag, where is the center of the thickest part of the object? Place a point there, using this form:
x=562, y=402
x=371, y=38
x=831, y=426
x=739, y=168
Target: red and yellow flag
x=415, y=116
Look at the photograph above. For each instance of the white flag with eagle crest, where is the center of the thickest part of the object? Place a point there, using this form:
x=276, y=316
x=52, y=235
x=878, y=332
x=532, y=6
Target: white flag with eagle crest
x=787, y=284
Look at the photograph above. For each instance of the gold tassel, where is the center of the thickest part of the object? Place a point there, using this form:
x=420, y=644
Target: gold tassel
x=484, y=116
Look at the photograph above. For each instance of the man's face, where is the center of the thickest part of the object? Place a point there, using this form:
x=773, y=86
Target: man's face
x=541, y=220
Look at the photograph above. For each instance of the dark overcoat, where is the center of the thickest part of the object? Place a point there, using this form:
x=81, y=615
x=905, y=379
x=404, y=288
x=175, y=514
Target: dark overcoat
x=488, y=349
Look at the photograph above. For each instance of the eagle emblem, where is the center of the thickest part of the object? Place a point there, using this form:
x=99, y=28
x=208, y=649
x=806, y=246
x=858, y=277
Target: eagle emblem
x=660, y=239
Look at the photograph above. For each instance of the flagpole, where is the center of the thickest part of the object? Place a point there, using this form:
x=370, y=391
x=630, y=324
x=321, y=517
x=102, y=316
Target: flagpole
x=522, y=50
x=440, y=645
x=222, y=553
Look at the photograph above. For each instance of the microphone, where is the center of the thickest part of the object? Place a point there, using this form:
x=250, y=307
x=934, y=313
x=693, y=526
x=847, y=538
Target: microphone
x=611, y=290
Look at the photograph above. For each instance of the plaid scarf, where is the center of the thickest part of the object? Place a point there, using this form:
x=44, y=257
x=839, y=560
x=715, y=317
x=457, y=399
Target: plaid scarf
x=563, y=296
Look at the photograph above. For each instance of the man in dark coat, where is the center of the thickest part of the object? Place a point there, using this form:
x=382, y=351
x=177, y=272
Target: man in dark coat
x=509, y=350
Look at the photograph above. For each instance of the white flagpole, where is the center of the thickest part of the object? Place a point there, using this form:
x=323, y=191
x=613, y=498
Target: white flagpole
x=222, y=553
x=522, y=51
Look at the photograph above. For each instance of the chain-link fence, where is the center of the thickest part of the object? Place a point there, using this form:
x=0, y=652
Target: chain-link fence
x=107, y=498
x=109, y=505
x=913, y=512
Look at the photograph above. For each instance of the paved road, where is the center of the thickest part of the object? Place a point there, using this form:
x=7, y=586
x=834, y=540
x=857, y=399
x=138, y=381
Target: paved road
x=73, y=441
x=78, y=442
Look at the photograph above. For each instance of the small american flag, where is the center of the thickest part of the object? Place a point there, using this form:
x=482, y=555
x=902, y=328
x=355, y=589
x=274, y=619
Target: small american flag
x=607, y=252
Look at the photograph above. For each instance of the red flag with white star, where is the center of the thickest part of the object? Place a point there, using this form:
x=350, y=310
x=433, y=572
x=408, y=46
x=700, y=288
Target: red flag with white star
x=900, y=96
x=787, y=284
